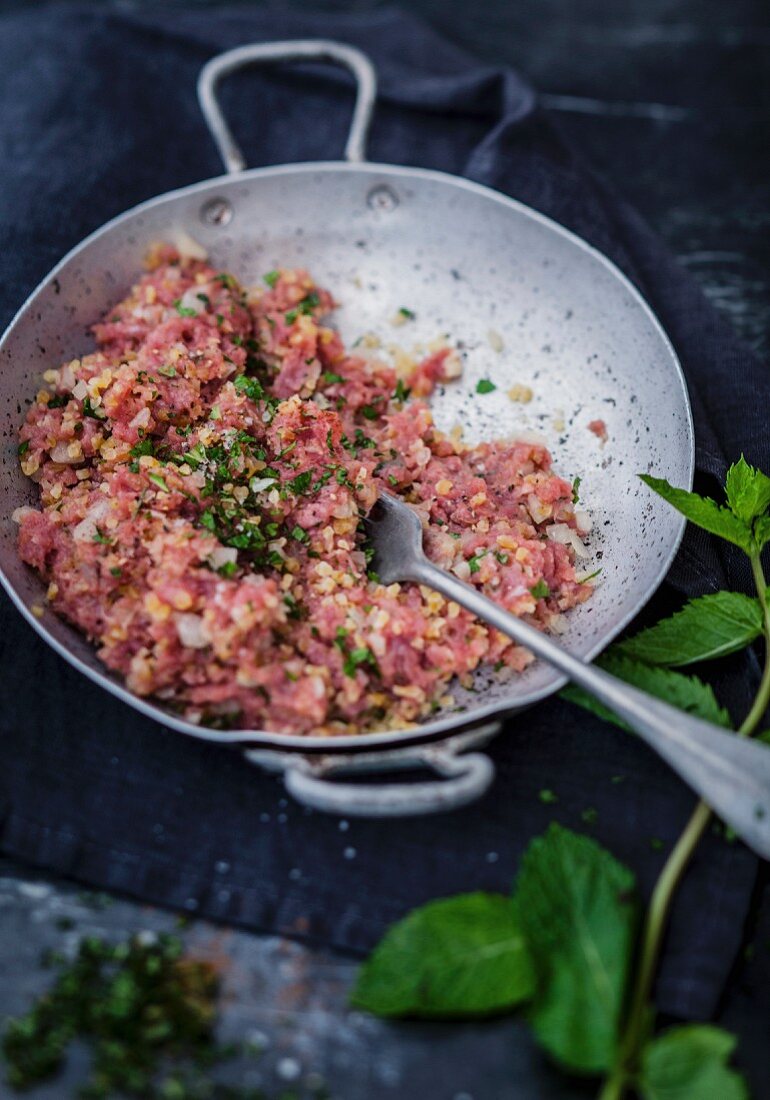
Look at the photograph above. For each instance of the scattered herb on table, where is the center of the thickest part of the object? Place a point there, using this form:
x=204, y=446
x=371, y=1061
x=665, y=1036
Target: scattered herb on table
x=571, y=943
x=147, y=1011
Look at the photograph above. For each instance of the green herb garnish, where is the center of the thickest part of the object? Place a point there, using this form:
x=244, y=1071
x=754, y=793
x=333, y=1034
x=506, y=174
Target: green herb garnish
x=184, y=311
x=357, y=657
x=301, y=483
x=474, y=563
x=485, y=386
x=159, y=480
x=401, y=392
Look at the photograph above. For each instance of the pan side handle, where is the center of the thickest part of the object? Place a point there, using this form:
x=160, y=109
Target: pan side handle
x=265, y=53
x=462, y=778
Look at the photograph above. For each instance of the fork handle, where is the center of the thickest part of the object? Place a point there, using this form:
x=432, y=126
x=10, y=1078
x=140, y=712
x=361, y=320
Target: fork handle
x=730, y=773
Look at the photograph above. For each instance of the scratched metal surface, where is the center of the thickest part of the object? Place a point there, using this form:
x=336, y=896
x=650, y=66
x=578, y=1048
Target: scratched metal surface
x=667, y=97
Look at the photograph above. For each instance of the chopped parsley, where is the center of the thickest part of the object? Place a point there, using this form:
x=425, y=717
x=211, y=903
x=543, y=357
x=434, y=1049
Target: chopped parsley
x=401, y=392
x=305, y=307
x=590, y=576
x=370, y=412
x=575, y=488
x=272, y=278
x=228, y=569
x=502, y=557
x=299, y=533
x=105, y=540
x=143, y=447
x=159, y=480
x=358, y=657
x=89, y=410
x=58, y=400
x=540, y=591
x=484, y=385
x=293, y=609
x=329, y=377
x=407, y=314
x=251, y=387
x=167, y=372
x=184, y=311
x=301, y=483
x=473, y=563
x=23, y=448
x=205, y=299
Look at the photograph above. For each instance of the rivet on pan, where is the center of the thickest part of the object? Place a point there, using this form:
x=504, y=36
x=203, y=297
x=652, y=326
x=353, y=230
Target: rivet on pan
x=217, y=212
x=382, y=198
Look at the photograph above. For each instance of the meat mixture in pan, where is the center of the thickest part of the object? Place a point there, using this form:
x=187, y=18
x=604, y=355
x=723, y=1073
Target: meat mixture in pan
x=202, y=479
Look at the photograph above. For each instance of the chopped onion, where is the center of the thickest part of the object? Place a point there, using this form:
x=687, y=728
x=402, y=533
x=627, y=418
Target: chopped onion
x=60, y=453
x=79, y=390
x=188, y=247
x=258, y=484
x=67, y=376
x=223, y=555
x=563, y=533
x=142, y=418
x=86, y=529
x=189, y=627
x=18, y=514
x=191, y=298
x=583, y=521
x=537, y=508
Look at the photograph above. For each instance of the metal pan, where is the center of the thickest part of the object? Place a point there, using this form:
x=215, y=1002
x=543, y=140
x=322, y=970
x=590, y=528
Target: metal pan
x=469, y=261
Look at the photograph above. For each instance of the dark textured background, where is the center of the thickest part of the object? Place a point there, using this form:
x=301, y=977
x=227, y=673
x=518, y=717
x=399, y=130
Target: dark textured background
x=670, y=101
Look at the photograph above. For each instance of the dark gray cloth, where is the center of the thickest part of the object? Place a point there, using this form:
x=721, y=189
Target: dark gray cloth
x=99, y=114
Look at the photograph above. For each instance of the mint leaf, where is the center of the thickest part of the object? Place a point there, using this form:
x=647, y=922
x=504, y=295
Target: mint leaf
x=578, y=910
x=748, y=490
x=704, y=512
x=690, y=1063
x=705, y=628
x=461, y=956
x=688, y=693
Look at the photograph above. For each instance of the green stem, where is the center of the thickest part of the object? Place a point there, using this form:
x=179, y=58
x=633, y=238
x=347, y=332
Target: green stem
x=640, y=1010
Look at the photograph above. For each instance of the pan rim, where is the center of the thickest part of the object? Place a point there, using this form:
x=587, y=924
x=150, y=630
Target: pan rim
x=443, y=728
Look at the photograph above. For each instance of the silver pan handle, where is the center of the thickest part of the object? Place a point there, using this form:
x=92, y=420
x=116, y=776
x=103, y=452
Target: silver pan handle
x=305, y=49
x=464, y=778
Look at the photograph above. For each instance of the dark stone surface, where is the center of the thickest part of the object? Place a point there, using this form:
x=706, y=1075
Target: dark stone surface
x=670, y=98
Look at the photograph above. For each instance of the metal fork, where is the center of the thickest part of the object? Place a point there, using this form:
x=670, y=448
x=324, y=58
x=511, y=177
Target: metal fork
x=731, y=773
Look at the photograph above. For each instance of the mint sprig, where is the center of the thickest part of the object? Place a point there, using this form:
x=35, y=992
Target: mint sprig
x=574, y=906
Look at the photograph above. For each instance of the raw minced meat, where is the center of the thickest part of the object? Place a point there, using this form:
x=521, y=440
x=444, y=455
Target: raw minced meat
x=202, y=479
